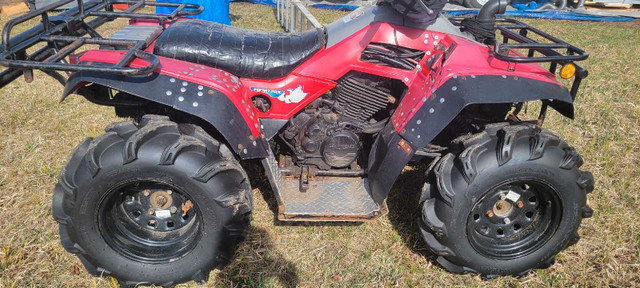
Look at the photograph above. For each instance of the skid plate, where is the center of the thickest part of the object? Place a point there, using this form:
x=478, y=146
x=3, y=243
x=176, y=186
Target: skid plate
x=327, y=198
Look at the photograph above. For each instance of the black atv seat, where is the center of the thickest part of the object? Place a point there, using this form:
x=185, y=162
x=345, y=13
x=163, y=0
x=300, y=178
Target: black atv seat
x=245, y=53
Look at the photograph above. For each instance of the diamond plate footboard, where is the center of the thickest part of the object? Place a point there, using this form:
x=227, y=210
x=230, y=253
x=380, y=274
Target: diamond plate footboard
x=327, y=199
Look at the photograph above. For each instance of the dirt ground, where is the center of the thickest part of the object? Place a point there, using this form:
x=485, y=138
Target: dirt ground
x=37, y=133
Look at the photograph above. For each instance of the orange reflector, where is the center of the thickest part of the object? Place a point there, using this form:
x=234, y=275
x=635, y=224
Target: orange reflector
x=121, y=6
x=568, y=71
x=405, y=146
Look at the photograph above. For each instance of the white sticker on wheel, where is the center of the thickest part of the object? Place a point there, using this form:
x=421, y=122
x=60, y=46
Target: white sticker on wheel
x=163, y=213
x=513, y=196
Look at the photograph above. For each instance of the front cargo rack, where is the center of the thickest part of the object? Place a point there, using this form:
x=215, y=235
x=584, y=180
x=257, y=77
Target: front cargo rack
x=64, y=33
x=552, y=50
x=527, y=40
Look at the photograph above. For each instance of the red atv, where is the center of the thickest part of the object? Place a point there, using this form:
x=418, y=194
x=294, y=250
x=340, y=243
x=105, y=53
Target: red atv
x=333, y=114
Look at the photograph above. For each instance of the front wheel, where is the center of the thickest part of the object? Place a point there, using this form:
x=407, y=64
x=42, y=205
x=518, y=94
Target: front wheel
x=504, y=201
x=154, y=202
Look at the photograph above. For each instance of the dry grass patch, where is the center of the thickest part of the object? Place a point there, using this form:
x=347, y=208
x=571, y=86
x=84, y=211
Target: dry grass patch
x=37, y=134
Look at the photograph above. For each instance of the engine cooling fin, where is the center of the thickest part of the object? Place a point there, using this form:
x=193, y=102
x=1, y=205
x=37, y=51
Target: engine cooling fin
x=361, y=96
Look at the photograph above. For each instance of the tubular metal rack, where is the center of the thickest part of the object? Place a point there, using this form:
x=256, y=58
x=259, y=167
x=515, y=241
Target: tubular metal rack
x=64, y=33
x=525, y=37
x=551, y=51
x=508, y=28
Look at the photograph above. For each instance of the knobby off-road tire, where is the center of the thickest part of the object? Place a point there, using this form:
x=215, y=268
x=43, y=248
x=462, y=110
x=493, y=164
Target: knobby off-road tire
x=100, y=201
x=520, y=172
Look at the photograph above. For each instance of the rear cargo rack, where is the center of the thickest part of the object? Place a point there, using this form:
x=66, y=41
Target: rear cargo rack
x=65, y=32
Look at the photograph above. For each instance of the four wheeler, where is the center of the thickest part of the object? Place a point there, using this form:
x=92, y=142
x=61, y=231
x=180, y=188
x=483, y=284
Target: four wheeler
x=333, y=114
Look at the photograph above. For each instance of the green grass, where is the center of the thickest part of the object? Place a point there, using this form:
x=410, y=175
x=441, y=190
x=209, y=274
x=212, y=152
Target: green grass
x=37, y=133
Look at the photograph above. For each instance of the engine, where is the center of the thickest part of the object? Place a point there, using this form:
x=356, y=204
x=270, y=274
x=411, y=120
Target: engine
x=330, y=132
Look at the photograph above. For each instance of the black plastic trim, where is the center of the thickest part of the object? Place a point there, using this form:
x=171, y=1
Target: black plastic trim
x=459, y=92
x=271, y=127
x=215, y=108
x=388, y=158
x=386, y=161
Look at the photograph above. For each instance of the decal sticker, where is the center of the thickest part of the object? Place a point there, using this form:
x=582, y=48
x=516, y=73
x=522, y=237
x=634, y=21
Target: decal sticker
x=295, y=95
x=271, y=92
x=353, y=15
x=292, y=95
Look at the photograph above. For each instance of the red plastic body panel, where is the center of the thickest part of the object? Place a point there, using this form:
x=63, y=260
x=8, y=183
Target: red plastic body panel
x=321, y=72
x=220, y=80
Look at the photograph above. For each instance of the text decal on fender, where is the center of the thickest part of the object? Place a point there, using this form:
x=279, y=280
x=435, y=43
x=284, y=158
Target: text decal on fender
x=292, y=95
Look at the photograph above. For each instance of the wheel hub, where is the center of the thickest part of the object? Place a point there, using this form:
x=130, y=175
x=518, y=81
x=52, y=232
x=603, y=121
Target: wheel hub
x=502, y=208
x=161, y=199
x=514, y=219
x=150, y=222
x=165, y=211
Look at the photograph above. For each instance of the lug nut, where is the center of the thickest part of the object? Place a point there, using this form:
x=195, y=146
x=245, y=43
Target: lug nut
x=489, y=213
x=151, y=211
x=169, y=192
x=507, y=221
x=520, y=204
x=146, y=192
x=173, y=209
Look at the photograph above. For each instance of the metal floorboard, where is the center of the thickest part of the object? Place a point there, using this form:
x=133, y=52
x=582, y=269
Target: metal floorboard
x=329, y=197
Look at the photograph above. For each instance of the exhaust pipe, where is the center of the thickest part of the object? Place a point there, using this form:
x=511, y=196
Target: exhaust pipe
x=491, y=8
x=482, y=25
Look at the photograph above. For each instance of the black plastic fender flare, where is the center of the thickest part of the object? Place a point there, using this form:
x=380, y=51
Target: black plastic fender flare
x=206, y=103
x=388, y=157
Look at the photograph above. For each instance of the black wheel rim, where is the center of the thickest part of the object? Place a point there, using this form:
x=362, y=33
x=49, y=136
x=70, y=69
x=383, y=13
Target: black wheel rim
x=150, y=222
x=514, y=219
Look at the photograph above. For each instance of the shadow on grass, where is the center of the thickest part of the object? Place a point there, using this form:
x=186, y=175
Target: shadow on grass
x=258, y=264
x=404, y=209
x=403, y=204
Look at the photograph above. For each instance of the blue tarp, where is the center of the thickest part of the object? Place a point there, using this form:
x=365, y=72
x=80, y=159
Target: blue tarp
x=264, y=2
x=341, y=7
x=214, y=10
x=550, y=14
x=218, y=11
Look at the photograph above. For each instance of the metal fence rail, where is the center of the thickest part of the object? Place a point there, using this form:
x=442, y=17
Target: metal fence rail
x=294, y=16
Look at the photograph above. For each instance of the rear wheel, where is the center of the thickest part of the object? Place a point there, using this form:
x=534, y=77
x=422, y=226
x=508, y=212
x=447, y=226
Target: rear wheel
x=504, y=201
x=155, y=202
